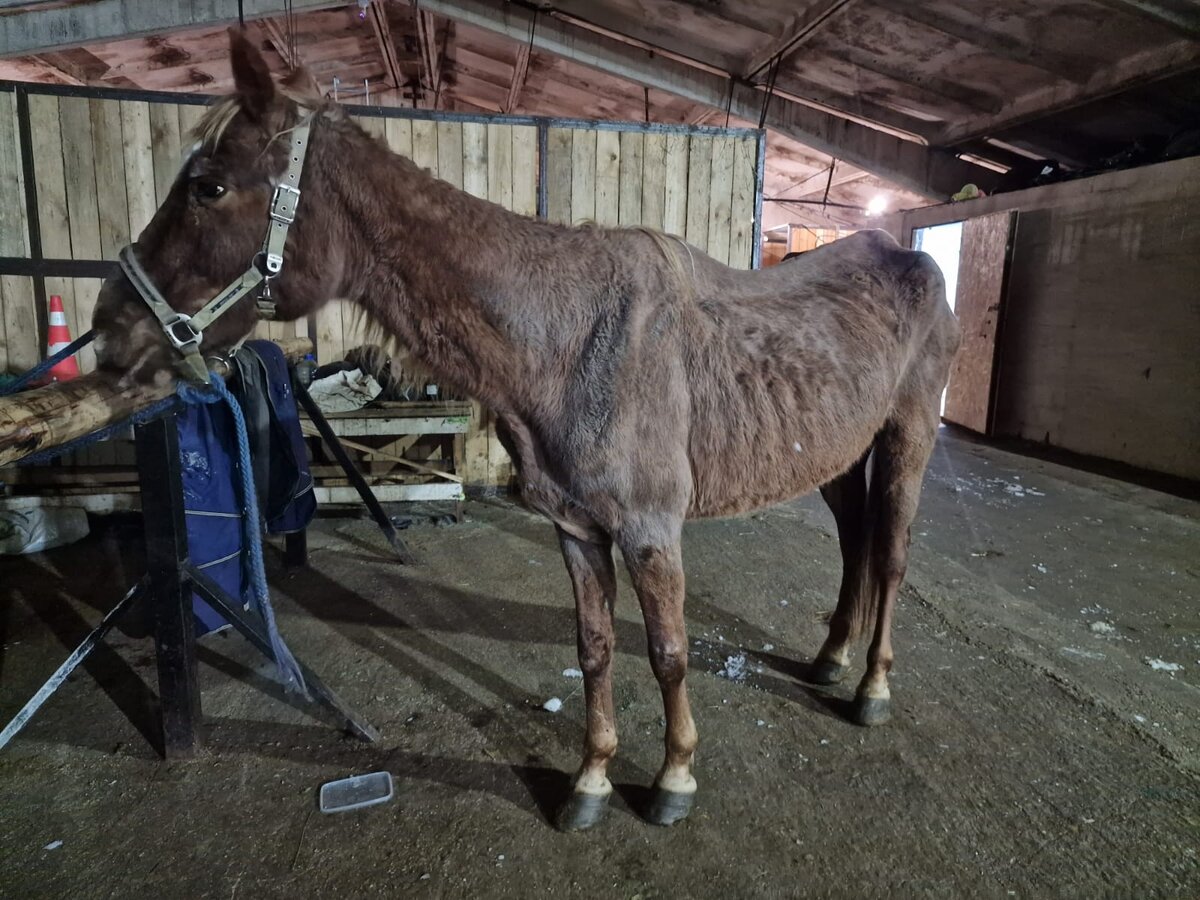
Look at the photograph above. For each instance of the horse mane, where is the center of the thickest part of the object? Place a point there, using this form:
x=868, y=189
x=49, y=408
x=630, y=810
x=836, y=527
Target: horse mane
x=212, y=126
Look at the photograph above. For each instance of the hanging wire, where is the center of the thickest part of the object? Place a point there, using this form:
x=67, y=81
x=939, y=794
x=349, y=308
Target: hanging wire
x=774, y=73
x=829, y=183
x=242, y=13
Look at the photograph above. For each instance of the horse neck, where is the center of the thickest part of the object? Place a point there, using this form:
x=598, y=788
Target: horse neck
x=434, y=266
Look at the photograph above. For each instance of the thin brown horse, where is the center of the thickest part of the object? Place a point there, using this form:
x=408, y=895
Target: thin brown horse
x=637, y=381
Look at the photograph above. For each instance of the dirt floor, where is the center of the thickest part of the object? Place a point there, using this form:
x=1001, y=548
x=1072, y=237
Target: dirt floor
x=1034, y=753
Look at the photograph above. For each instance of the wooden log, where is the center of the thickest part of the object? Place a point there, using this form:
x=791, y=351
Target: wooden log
x=49, y=416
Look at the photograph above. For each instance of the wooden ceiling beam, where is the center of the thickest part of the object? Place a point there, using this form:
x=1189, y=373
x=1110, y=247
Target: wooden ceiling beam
x=939, y=89
x=1141, y=68
x=53, y=26
x=994, y=43
x=1180, y=16
x=802, y=26
x=907, y=163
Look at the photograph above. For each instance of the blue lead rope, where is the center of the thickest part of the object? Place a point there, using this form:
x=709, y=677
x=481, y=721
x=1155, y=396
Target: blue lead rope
x=47, y=364
x=289, y=670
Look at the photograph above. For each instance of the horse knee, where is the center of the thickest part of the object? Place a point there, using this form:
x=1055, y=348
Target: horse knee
x=595, y=654
x=668, y=659
x=891, y=565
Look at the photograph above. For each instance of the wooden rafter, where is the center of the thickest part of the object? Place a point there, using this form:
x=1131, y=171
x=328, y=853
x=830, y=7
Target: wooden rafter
x=431, y=57
x=998, y=44
x=520, y=73
x=1141, y=68
x=275, y=34
x=387, y=47
x=1181, y=16
x=802, y=26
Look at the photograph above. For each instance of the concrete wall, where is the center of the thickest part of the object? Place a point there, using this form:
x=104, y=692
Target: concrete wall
x=1100, y=351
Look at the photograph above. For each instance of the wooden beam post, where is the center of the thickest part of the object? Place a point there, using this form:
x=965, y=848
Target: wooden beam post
x=520, y=73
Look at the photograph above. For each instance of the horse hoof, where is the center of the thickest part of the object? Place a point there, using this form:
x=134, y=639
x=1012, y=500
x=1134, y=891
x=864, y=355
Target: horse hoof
x=669, y=807
x=870, y=711
x=825, y=671
x=581, y=811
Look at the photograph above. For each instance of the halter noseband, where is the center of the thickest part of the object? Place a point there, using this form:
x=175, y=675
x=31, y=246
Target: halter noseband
x=186, y=332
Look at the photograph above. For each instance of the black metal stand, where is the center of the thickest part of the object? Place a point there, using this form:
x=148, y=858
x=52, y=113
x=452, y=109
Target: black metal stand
x=352, y=473
x=172, y=580
x=168, y=585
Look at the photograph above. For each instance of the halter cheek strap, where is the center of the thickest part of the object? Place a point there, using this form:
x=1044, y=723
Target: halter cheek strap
x=187, y=332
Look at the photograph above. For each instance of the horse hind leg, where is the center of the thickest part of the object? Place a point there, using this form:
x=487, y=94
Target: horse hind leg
x=590, y=565
x=902, y=450
x=846, y=497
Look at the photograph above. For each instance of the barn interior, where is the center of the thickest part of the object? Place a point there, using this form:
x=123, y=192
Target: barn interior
x=1045, y=738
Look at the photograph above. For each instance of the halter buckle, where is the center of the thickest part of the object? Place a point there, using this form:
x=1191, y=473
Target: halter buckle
x=182, y=333
x=284, y=202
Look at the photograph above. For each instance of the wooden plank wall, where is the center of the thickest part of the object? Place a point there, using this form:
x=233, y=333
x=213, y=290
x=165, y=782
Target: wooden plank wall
x=700, y=186
x=103, y=165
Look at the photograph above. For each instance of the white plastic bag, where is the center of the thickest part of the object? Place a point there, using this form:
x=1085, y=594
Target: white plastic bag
x=40, y=528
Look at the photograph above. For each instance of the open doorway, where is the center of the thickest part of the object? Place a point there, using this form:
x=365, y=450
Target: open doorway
x=944, y=244
x=974, y=256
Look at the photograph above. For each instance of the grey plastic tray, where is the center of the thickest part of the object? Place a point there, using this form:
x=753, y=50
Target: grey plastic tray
x=356, y=792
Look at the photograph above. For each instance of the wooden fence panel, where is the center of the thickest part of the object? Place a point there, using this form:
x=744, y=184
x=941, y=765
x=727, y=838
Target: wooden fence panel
x=654, y=180
x=744, y=203
x=720, y=194
x=138, y=155
x=165, y=147
x=629, y=203
x=18, y=323
x=583, y=176
x=608, y=178
x=559, y=145
x=699, y=172
x=111, y=195
x=475, y=159
x=14, y=231
x=525, y=169
x=675, y=201
x=500, y=165
x=21, y=342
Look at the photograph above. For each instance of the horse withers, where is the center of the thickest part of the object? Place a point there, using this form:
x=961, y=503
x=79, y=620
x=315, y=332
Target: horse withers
x=636, y=381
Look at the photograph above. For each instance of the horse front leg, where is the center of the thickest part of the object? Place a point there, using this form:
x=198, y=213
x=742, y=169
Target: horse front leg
x=590, y=564
x=656, y=569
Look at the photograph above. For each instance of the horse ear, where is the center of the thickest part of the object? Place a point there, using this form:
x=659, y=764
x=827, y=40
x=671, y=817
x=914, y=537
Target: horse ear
x=299, y=84
x=251, y=77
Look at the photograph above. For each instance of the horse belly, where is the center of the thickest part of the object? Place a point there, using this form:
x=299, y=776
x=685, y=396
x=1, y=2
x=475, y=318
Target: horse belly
x=744, y=463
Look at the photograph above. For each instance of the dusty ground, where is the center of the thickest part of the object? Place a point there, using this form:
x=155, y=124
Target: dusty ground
x=1031, y=756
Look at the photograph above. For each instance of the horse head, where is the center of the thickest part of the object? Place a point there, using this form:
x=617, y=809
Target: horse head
x=232, y=236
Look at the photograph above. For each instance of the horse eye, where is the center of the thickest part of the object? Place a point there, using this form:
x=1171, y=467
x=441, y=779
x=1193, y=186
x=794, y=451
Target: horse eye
x=204, y=189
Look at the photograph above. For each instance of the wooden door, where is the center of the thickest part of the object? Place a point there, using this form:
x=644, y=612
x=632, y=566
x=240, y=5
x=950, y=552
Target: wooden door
x=982, y=280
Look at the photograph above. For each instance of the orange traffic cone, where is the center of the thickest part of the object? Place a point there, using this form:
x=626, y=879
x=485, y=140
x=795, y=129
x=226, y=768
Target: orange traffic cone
x=58, y=337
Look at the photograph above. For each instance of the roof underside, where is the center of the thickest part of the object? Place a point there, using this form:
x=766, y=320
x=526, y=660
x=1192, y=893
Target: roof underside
x=996, y=83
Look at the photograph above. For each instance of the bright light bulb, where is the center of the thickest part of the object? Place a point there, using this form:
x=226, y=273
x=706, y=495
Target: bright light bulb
x=877, y=205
